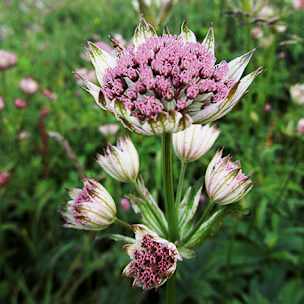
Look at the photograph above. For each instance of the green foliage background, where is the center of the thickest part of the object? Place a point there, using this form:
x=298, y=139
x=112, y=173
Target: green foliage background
x=258, y=258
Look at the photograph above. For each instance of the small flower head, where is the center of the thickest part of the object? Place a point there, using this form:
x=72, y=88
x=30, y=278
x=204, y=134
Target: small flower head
x=91, y=208
x=7, y=60
x=4, y=178
x=297, y=93
x=125, y=204
x=300, y=126
x=121, y=161
x=165, y=84
x=29, y=86
x=192, y=143
x=20, y=103
x=153, y=259
x=225, y=181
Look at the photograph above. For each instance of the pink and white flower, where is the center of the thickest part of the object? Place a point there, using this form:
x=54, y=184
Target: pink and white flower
x=193, y=142
x=91, y=208
x=7, y=60
x=300, y=126
x=298, y=4
x=297, y=93
x=225, y=181
x=121, y=161
x=20, y=103
x=153, y=259
x=29, y=86
x=165, y=84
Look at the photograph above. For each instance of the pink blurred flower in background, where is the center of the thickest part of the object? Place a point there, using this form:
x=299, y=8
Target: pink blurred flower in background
x=49, y=94
x=300, y=127
x=297, y=93
x=267, y=107
x=4, y=178
x=84, y=74
x=298, y=4
x=108, y=129
x=2, y=104
x=29, y=86
x=125, y=204
x=257, y=32
x=20, y=103
x=7, y=60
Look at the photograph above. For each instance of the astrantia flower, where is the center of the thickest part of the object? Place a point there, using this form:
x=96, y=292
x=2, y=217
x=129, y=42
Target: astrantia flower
x=298, y=4
x=297, y=93
x=7, y=60
x=164, y=84
x=194, y=142
x=225, y=181
x=91, y=208
x=121, y=161
x=29, y=86
x=153, y=259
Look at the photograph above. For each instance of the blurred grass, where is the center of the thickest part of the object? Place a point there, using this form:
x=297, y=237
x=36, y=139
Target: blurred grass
x=255, y=259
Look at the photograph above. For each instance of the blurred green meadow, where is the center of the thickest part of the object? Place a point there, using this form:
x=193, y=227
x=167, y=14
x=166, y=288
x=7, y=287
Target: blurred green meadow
x=256, y=259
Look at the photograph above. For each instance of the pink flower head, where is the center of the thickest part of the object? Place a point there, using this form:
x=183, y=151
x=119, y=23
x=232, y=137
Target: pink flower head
x=2, y=103
x=91, y=208
x=164, y=84
x=267, y=107
x=125, y=204
x=4, y=178
x=298, y=4
x=153, y=259
x=49, y=94
x=29, y=86
x=20, y=103
x=7, y=60
x=300, y=127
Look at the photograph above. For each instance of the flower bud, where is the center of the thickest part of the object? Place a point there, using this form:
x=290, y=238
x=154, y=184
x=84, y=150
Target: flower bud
x=91, y=208
x=297, y=93
x=4, y=178
x=20, y=103
x=121, y=161
x=192, y=143
x=153, y=259
x=2, y=103
x=225, y=181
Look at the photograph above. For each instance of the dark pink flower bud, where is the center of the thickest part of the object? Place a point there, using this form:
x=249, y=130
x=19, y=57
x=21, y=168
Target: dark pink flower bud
x=20, y=103
x=125, y=204
x=4, y=178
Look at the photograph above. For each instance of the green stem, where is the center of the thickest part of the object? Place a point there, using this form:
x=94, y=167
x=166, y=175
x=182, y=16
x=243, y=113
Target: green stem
x=170, y=208
x=180, y=185
x=123, y=223
x=171, y=290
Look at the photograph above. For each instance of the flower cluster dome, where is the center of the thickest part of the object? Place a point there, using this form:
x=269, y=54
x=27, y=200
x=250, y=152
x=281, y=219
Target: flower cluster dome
x=166, y=83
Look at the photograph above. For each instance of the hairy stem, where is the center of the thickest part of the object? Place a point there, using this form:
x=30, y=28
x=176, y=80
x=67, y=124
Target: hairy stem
x=170, y=208
x=167, y=170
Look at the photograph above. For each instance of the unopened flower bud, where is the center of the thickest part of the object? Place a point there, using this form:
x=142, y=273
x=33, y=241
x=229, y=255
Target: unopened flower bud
x=4, y=178
x=192, y=143
x=20, y=103
x=91, y=208
x=125, y=204
x=121, y=161
x=225, y=181
x=153, y=259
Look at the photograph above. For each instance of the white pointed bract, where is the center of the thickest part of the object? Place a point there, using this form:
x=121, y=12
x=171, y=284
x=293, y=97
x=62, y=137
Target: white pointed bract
x=121, y=161
x=91, y=208
x=153, y=259
x=225, y=181
x=193, y=142
x=163, y=84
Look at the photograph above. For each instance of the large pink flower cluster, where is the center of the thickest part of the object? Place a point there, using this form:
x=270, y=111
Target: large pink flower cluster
x=165, y=73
